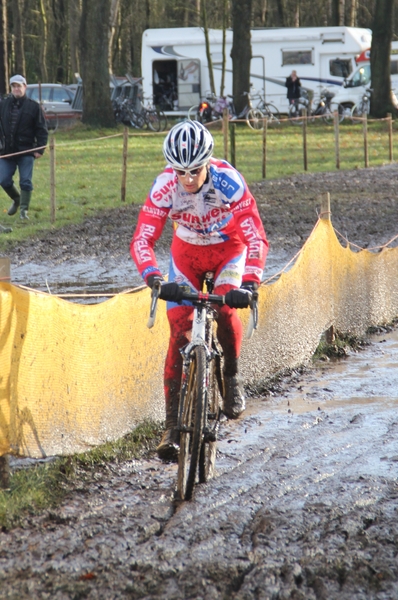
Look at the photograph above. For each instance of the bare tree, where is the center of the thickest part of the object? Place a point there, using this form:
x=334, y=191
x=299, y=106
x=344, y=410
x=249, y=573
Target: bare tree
x=241, y=52
x=115, y=6
x=94, y=38
x=380, y=58
x=3, y=48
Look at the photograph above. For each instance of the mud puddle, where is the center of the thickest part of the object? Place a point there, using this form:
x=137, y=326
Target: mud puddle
x=95, y=276
x=303, y=506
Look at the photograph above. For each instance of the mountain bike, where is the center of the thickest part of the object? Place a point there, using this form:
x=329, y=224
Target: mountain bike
x=199, y=410
x=361, y=109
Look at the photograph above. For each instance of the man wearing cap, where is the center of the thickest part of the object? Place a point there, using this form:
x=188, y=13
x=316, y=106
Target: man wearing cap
x=23, y=128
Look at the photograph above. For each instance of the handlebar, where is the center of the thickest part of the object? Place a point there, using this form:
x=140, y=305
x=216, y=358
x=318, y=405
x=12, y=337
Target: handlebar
x=202, y=298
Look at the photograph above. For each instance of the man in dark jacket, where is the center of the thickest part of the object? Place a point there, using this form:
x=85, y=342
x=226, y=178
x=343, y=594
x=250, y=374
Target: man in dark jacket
x=293, y=85
x=23, y=127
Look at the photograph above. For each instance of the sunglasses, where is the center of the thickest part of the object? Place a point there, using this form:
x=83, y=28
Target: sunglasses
x=191, y=172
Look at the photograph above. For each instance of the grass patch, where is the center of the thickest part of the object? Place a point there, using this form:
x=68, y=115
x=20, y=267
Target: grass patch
x=89, y=166
x=44, y=486
x=342, y=345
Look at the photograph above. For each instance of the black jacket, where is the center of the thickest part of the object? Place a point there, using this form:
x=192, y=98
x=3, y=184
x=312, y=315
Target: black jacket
x=293, y=87
x=30, y=129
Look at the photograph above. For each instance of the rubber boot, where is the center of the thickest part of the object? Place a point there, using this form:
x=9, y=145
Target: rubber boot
x=168, y=448
x=15, y=197
x=234, y=398
x=25, y=201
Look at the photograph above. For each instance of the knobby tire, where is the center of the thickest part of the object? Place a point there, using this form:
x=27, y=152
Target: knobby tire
x=208, y=451
x=191, y=421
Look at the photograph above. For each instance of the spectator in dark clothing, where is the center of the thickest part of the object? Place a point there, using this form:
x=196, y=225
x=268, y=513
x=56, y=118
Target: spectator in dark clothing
x=293, y=85
x=23, y=128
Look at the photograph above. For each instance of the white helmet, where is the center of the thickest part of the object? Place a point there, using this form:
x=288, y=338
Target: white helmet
x=188, y=145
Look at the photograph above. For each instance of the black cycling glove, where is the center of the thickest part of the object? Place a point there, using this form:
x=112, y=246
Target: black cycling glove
x=238, y=298
x=171, y=292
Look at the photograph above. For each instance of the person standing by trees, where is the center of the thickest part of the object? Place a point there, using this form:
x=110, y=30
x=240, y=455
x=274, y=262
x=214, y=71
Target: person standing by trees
x=293, y=85
x=24, y=128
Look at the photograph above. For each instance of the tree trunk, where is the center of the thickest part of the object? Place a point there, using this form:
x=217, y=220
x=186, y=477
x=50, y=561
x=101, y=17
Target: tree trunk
x=94, y=36
x=224, y=39
x=74, y=16
x=3, y=48
x=208, y=53
x=353, y=13
x=241, y=52
x=380, y=59
x=44, y=41
x=115, y=6
x=19, y=56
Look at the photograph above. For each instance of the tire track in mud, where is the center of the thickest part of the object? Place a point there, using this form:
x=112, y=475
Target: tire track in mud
x=304, y=506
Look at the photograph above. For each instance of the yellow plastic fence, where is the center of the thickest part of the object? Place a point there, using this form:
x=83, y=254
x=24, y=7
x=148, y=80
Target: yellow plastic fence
x=73, y=376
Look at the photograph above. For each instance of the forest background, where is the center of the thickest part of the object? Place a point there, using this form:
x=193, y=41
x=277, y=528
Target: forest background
x=52, y=40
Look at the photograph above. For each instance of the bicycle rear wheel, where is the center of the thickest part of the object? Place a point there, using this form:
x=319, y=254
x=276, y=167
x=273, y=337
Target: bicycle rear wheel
x=191, y=423
x=208, y=451
x=357, y=113
x=297, y=112
x=193, y=112
x=255, y=118
x=152, y=120
x=272, y=113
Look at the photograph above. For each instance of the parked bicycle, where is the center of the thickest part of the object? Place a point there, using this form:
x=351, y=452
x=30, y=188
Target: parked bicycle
x=361, y=109
x=146, y=116
x=213, y=107
x=325, y=108
x=268, y=110
x=199, y=411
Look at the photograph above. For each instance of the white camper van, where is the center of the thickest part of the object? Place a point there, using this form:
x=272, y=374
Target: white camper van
x=354, y=87
x=176, y=76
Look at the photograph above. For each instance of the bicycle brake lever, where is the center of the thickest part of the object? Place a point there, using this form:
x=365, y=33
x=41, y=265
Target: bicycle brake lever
x=253, y=317
x=154, y=303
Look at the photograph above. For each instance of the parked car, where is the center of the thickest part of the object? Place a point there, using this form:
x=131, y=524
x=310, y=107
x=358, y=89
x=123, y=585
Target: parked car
x=56, y=100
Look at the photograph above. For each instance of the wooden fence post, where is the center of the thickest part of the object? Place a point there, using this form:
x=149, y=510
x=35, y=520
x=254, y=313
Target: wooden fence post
x=325, y=206
x=265, y=147
x=336, y=138
x=365, y=140
x=390, y=144
x=305, y=140
x=4, y=471
x=233, y=147
x=52, y=179
x=225, y=123
x=124, y=164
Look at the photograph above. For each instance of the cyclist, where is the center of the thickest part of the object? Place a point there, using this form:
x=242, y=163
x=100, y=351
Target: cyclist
x=217, y=228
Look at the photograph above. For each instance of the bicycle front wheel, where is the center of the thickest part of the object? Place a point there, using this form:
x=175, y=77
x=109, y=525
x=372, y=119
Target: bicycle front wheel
x=191, y=423
x=255, y=118
x=208, y=451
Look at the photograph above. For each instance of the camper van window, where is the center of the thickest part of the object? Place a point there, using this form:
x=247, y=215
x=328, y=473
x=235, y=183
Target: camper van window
x=297, y=57
x=340, y=67
x=361, y=77
x=394, y=67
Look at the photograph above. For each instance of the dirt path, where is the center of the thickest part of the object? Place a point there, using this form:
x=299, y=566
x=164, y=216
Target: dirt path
x=304, y=506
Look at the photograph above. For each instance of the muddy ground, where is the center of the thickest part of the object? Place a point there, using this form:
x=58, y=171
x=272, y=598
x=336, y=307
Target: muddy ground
x=304, y=504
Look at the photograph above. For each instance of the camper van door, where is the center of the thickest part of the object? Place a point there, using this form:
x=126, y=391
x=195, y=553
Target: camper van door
x=188, y=83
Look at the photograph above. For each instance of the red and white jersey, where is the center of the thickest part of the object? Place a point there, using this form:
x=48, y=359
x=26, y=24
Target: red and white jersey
x=222, y=209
